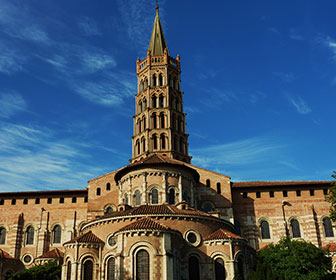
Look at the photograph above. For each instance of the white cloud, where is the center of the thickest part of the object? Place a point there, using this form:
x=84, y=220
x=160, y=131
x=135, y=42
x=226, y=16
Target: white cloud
x=295, y=35
x=10, y=61
x=88, y=26
x=242, y=152
x=44, y=161
x=11, y=103
x=300, y=105
x=138, y=17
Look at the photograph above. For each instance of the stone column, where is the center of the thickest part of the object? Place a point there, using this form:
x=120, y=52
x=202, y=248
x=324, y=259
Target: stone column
x=180, y=187
x=164, y=187
x=144, y=196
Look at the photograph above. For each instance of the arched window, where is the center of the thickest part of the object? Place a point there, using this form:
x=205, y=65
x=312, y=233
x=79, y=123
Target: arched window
x=163, y=141
x=57, y=234
x=109, y=210
x=219, y=188
x=137, y=197
x=265, y=231
x=174, y=83
x=144, y=103
x=30, y=235
x=140, y=106
x=153, y=101
x=137, y=127
x=175, y=143
x=144, y=122
x=181, y=145
x=171, y=196
x=111, y=269
x=98, y=191
x=87, y=270
x=193, y=267
x=185, y=197
x=160, y=80
x=146, y=83
x=174, y=122
x=178, y=105
x=143, y=144
x=179, y=123
x=126, y=198
x=155, y=196
x=154, y=142
x=68, y=274
x=142, y=265
x=137, y=145
x=208, y=183
x=327, y=226
x=2, y=235
x=154, y=123
x=161, y=101
x=154, y=80
x=162, y=120
x=141, y=85
x=240, y=267
x=219, y=269
x=295, y=228
x=108, y=186
x=207, y=206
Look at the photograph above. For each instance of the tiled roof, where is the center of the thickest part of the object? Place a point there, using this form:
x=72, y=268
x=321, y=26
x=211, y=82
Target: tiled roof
x=331, y=247
x=52, y=254
x=88, y=237
x=154, y=159
x=144, y=223
x=277, y=183
x=5, y=255
x=222, y=234
x=162, y=209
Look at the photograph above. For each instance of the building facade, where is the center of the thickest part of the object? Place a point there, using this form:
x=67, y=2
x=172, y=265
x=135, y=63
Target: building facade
x=160, y=217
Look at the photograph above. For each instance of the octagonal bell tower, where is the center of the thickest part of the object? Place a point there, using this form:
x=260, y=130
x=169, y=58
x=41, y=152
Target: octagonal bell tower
x=159, y=120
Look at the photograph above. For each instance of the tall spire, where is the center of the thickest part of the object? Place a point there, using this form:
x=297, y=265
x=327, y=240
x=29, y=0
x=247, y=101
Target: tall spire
x=157, y=43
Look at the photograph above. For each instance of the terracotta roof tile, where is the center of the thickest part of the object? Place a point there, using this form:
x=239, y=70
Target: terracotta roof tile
x=5, y=255
x=144, y=223
x=277, y=183
x=263, y=248
x=331, y=247
x=88, y=237
x=222, y=234
x=155, y=159
x=52, y=254
x=162, y=209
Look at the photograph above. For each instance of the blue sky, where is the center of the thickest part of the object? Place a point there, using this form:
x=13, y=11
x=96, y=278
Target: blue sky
x=259, y=82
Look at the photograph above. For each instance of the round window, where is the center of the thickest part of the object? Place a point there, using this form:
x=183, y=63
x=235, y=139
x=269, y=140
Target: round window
x=191, y=237
x=109, y=210
x=27, y=259
x=111, y=241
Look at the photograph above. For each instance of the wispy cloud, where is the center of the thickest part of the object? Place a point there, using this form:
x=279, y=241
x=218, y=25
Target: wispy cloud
x=300, y=105
x=294, y=34
x=88, y=26
x=138, y=17
x=242, y=152
x=11, y=103
x=25, y=26
x=10, y=61
x=44, y=161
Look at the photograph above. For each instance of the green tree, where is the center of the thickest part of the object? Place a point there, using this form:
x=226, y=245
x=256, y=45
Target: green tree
x=292, y=259
x=48, y=271
x=332, y=198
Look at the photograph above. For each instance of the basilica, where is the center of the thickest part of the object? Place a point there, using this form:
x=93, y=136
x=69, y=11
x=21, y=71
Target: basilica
x=160, y=217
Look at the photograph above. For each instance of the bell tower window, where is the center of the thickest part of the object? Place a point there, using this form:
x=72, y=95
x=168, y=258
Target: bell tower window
x=154, y=80
x=153, y=101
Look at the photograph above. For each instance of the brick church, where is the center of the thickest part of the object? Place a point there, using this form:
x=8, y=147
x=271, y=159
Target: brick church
x=160, y=217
